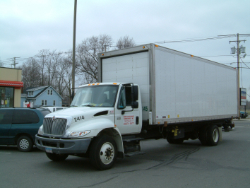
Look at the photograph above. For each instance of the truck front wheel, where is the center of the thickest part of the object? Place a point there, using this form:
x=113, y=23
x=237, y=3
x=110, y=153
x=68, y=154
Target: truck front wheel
x=102, y=152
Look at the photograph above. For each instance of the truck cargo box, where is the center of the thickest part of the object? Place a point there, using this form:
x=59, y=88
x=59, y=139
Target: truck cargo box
x=175, y=86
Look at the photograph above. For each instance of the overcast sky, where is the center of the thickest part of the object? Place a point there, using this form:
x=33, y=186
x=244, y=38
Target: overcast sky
x=27, y=26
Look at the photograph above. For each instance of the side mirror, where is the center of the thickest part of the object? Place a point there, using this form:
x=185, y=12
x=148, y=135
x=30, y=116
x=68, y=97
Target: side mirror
x=134, y=104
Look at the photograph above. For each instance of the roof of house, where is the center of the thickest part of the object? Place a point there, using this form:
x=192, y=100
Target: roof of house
x=43, y=88
x=37, y=88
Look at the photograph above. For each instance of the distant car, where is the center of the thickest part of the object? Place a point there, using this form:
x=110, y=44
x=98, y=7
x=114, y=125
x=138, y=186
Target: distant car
x=243, y=114
x=53, y=108
x=18, y=126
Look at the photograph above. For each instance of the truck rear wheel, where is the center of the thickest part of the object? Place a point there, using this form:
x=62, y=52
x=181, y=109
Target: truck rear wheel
x=56, y=157
x=213, y=135
x=203, y=136
x=103, y=152
x=209, y=135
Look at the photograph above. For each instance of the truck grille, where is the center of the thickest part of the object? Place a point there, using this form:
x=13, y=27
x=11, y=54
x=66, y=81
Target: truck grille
x=56, y=127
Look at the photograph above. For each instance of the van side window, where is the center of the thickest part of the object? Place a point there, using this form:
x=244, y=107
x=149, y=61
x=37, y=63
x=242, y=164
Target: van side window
x=6, y=116
x=25, y=117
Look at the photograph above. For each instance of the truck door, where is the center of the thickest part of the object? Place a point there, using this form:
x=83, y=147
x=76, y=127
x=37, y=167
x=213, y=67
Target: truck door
x=127, y=117
x=5, y=125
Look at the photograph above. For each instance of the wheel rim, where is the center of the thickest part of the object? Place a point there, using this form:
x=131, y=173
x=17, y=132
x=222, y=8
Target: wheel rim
x=24, y=144
x=107, y=153
x=215, y=135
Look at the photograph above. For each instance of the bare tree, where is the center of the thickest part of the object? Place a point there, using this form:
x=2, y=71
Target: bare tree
x=105, y=42
x=55, y=69
x=43, y=58
x=87, y=53
x=53, y=60
x=125, y=42
x=31, y=73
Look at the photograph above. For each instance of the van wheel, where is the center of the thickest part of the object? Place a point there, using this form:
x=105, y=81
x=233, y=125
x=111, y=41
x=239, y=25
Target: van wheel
x=213, y=135
x=56, y=157
x=103, y=152
x=24, y=143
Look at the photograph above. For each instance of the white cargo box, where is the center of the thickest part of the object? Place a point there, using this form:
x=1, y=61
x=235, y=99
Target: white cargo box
x=175, y=87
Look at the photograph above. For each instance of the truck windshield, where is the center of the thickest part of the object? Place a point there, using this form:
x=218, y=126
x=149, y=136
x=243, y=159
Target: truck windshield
x=95, y=96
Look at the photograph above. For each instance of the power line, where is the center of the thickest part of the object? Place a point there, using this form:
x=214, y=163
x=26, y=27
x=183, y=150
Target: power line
x=195, y=40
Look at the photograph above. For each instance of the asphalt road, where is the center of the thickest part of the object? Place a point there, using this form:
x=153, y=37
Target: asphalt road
x=163, y=165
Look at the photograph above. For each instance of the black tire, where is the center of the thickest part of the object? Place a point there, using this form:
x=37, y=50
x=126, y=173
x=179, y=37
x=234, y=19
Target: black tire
x=103, y=152
x=213, y=135
x=203, y=136
x=174, y=141
x=24, y=144
x=57, y=157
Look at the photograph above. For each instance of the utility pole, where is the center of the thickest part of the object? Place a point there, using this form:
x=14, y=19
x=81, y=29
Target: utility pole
x=238, y=71
x=14, y=63
x=74, y=48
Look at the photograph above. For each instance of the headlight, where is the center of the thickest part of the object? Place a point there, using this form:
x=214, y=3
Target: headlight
x=79, y=134
x=40, y=130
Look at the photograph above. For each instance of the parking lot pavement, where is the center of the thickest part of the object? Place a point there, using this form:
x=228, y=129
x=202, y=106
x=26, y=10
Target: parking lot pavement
x=188, y=165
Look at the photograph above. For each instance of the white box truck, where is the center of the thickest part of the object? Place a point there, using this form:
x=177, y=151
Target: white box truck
x=144, y=92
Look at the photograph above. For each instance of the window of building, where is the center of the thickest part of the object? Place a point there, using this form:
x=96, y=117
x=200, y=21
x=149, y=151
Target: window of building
x=51, y=92
x=54, y=102
x=24, y=117
x=6, y=97
x=45, y=102
x=48, y=92
x=42, y=102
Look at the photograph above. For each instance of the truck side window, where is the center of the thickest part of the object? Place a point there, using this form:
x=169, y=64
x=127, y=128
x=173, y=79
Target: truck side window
x=122, y=99
x=128, y=96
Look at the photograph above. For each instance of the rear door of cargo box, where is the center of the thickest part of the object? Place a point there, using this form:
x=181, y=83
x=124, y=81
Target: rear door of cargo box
x=129, y=68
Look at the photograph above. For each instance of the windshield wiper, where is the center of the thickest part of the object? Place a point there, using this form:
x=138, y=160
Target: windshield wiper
x=73, y=106
x=89, y=105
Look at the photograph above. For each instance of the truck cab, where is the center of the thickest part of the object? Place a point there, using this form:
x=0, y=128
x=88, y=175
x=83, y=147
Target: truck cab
x=100, y=114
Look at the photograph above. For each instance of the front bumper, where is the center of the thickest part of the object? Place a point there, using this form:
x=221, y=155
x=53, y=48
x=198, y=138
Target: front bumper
x=62, y=146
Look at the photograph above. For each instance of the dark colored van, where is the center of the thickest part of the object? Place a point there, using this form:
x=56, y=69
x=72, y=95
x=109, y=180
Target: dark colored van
x=18, y=126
